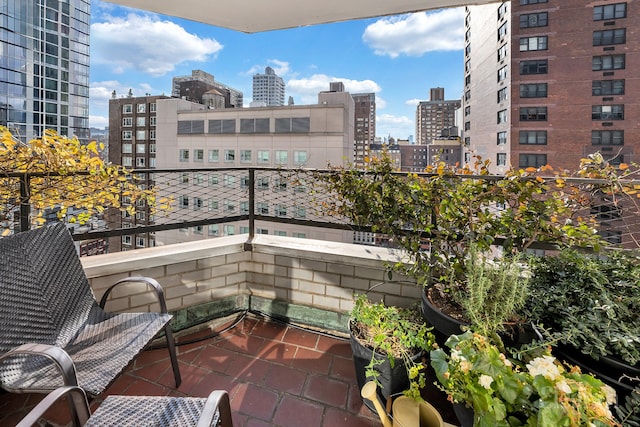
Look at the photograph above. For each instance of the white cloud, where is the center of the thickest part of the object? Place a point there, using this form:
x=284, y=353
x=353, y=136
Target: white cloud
x=395, y=126
x=281, y=68
x=146, y=43
x=417, y=33
x=413, y=102
x=99, y=122
x=305, y=90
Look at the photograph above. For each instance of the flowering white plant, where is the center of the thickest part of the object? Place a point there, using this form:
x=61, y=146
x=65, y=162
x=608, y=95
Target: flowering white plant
x=504, y=391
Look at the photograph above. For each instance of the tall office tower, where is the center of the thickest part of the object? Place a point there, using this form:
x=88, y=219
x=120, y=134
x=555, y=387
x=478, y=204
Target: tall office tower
x=268, y=88
x=365, y=125
x=202, y=87
x=549, y=82
x=434, y=115
x=44, y=67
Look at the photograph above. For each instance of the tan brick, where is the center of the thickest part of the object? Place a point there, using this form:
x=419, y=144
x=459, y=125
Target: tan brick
x=196, y=275
x=212, y=262
x=342, y=269
x=287, y=282
x=313, y=265
x=214, y=282
x=328, y=278
x=297, y=273
x=197, y=298
x=263, y=258
x=287, y=261
x=370, y=273
x=300, y=297
x=326, y=302
x=312, y=287
x=153, y=272
x=181, y=267
x=102, y=283
x=238, y=257
x=179, y=291
x=338, y=292
x=237, y=278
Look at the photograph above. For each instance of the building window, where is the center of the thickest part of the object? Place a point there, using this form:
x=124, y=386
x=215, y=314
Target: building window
x=292, y=125
x=533, y=137
x=213, y=230
x=535, y=114
x=262, y=183
x=229, y=206
x=127, y=134
x=467, y=125
x=213, y=180
x=502, y=73
x=141, y=121
x=612, y=236
x=607, y=112
x=608, y=62
x=127, y=108
x=502, y=52
x=502, y=116
x=153, y=120
x=281, y=157
x=502, y=31
x=214, y=156
x=227, y=126
x=140, y=162
x=152, y=135
x=281, y=210
x=263, y=156
x=467, y=110
x=502, y=94
x=533, y=90
x=214, y=205
x=197, y=203
x=127, y=161
x=183, y=155
x=229, y=155
x=610, y=11
x=141, y=108
x=198, y=155
x=152, y=107
x=607, y=137
x=532, y=160
x=300, y=212
x=503, y=9
x=190, y=127
x=245, y=156
x=526, y=2
x=501, y=159
x=127, y=121
x=141, y=135
x=185, y=178
x=607, y=37
x=533, y=67
x=229, y=180
x=184, y=202
x=262, y=208
x=127, y=148
x=502, y=138
x=244, y=208
x=532, y=20
x=229, y=230
x=528, y=44
x=607, y=87
x=299, y=158
x=254, y=125
x=198, y=178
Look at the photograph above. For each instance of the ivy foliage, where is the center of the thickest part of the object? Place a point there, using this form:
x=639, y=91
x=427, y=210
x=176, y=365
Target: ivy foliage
x=66, y=174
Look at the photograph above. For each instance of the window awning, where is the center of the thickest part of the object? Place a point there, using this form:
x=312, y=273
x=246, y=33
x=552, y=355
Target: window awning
x=252, y=16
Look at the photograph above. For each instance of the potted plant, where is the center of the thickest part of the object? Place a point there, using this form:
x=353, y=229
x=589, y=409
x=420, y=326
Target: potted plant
x=439, y=217
x=590, y=305
x=389, y=344
x=530, y=387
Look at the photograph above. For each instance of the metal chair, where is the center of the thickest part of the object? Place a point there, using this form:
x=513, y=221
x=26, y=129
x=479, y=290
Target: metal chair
x=138, y=411
x=52, y=330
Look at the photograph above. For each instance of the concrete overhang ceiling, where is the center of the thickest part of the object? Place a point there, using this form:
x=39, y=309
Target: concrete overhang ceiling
x=251, y=16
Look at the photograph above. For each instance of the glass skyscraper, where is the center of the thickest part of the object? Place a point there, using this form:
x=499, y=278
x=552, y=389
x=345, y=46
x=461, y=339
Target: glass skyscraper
x=44, y=67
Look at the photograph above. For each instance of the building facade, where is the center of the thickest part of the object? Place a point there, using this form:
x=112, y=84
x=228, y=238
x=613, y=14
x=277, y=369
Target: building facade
x=44, y=67
x=549, y=82
x=268, y=88
x=202, y=87
x=434, y=115
x=365, y=125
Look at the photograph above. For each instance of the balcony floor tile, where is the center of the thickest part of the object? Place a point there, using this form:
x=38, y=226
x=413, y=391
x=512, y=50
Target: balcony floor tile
x=276, y=375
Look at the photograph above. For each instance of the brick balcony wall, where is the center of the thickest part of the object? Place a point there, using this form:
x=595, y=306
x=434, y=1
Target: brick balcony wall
x=309, y=281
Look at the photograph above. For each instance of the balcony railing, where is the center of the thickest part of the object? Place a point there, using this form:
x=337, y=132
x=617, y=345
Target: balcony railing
x=213, y=202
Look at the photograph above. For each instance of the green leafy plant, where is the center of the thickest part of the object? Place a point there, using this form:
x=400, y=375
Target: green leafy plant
x=589, y=302
x=531, y=388
x=494, y=291
x=394, y=332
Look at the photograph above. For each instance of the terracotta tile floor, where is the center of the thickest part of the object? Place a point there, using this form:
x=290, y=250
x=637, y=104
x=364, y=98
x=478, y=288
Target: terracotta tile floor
x=276, y=375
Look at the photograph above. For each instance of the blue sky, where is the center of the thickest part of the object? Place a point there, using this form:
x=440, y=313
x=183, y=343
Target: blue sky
x=399, y=58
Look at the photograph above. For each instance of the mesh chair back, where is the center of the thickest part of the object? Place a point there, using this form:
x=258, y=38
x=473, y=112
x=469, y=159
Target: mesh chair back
x=41, y=278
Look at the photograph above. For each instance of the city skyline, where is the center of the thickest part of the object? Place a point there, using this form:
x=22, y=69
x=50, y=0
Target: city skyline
x=398, y=58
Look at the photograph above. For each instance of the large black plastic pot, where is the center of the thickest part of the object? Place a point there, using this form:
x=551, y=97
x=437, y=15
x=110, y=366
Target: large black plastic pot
x=393, y=380
x=610, y=370
x=442, y=323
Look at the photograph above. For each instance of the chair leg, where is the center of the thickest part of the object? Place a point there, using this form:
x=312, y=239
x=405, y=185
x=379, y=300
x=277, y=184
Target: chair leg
x=171, y=346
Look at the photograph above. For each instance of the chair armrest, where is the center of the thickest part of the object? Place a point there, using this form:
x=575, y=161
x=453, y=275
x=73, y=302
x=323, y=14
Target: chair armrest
x=77, y=400
x=140, y=279
x=57, y=355
x=217, y=400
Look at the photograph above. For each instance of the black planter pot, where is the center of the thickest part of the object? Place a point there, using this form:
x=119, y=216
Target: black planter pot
x=609, y=369
x=464, y=414
x=442, y=323
x=393, y=380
